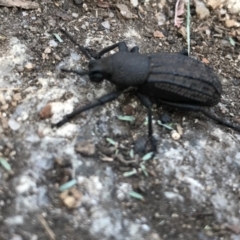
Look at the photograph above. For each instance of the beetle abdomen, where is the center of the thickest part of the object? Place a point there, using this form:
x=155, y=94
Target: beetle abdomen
x=179, y=78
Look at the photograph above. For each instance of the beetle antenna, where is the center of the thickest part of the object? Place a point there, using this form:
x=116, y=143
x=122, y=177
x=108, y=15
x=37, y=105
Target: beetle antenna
x=82, y=49
x=81, y=73
x=219, y=120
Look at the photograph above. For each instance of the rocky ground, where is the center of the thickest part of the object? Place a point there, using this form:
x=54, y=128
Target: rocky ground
x=83, y=180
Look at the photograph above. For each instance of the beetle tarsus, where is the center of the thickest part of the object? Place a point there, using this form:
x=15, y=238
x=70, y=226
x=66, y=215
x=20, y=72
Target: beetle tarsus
x=219, y=120
x=62, y=122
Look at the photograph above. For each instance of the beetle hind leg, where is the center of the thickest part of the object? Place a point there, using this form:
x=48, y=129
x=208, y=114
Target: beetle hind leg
x=219, y=120
x=206, y=113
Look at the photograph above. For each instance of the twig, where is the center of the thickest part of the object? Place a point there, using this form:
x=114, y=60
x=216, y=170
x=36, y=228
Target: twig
x=19, y=3
x=6, y=89
x=46, y=227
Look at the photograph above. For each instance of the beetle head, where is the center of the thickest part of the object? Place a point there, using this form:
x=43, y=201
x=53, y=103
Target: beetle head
x=97, y=70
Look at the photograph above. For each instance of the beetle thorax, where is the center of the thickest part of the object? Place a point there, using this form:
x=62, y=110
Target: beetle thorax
x=126, y=69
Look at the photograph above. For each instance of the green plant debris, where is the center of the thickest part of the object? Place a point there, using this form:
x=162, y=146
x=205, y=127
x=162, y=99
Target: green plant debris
x=58, y=37
x=147, y=156
x=117, y=151
x=146, y=121
x=126, y=118
x=5, y=164
x=68, y=185
x=130, y=173
x=131, y=154
x=144, y=169
x=111, y=141
x=188, y=26
x=232, y=41
x=168, y=126
x=136, y=195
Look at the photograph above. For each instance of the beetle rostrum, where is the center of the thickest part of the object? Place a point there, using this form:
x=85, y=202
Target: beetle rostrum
x=173, y=79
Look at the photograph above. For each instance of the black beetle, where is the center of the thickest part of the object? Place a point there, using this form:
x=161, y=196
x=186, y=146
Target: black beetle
x=174, y=79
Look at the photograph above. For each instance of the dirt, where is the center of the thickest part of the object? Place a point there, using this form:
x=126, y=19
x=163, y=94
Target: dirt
x=190, y=188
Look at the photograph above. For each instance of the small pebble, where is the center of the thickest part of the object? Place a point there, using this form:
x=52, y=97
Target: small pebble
x=14, y=104
x=85, y=7
x=175, y=135
x=4, y=107
x=52, y=22
x=17, y=97
x=78, y=2
x=47, y=50
x=165, y=118
x=202, y=10
x=83, y=27
x=75, y=15
x=2, y=99
x=4, y=123
x=71, y=198
x=86, y=148
x=19, y=68
x=145, y=227
x=134, y=3
x=13, y=124
x=33, y=29
x=16, y=237
x=53, y=43
x=29, y=66
x=111, y=15
x=175, y=215
x=106, y=24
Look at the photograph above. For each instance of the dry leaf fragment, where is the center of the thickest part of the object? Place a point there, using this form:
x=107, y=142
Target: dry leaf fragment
x=125, y=11
x=102, y=4
x=234, y=228
x=214, y=3
x=19, y=3
x=232, y=23
x=86, y=148
x=183, y=32
x=158, y=34
x=46, y=112
x=62, y=15
x=179, y=11
x=205, y=60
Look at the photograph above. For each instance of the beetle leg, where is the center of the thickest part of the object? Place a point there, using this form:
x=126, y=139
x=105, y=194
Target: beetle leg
x=147, y=103
x=122, y=46
x=219, y=120
x=189, y=107
x=206, y=113
x=82, y=49
x=135, y=49
x=184, y=52
x=100, y=101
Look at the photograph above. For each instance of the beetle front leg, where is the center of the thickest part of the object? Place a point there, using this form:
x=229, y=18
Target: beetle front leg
x=122, y=46
x=184, y=52
x=100, y=101
x=135, y=49
x=82, y=49
x=147, y=103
